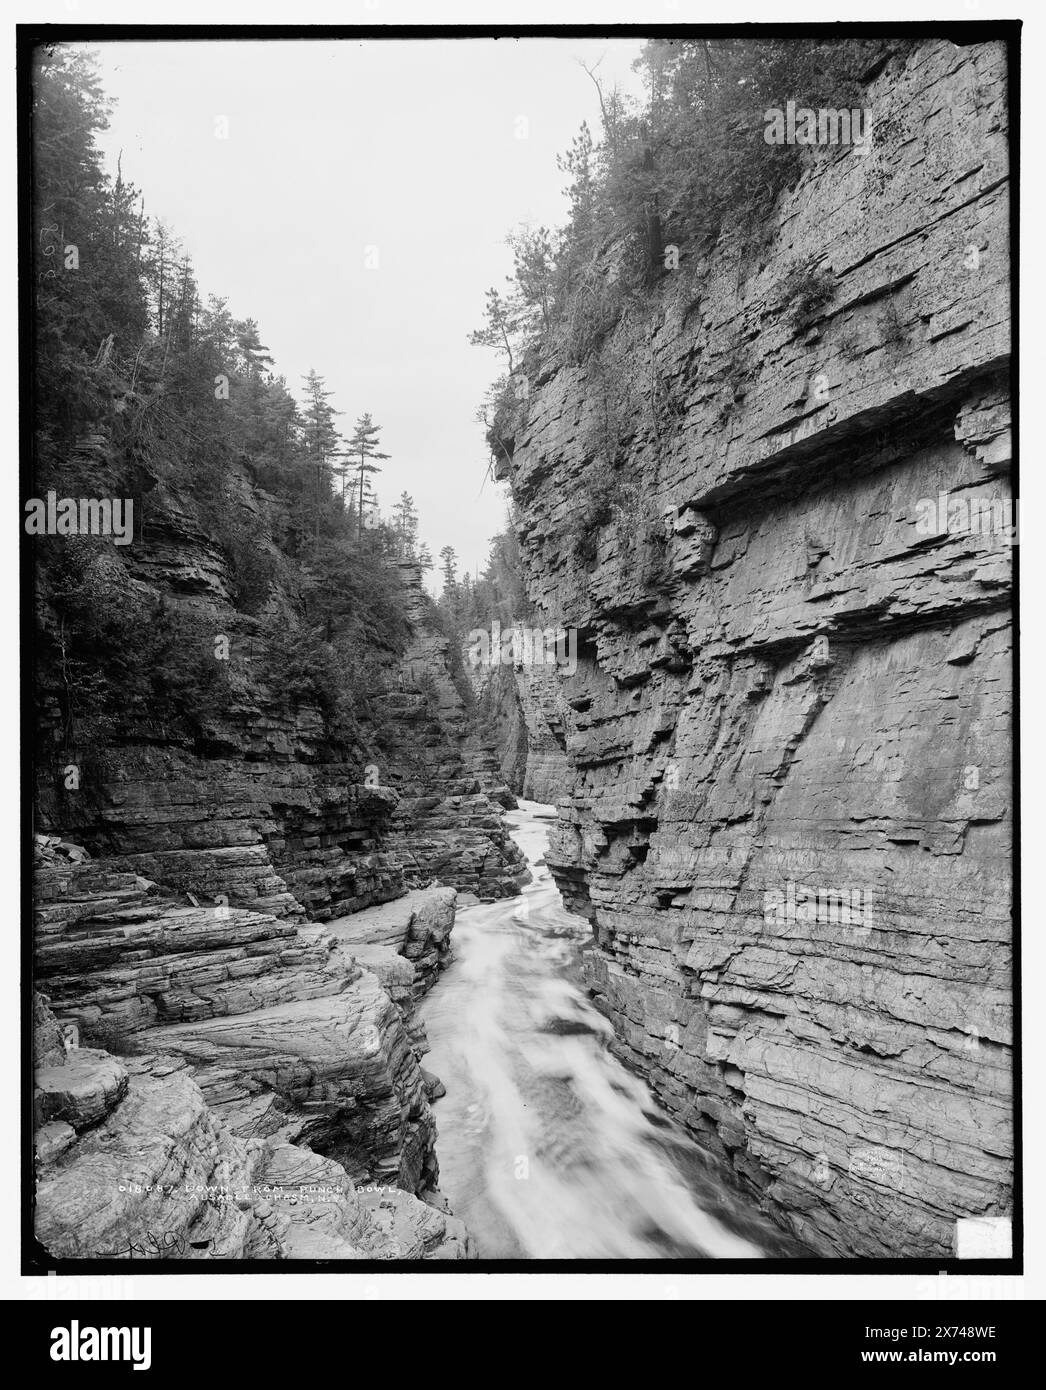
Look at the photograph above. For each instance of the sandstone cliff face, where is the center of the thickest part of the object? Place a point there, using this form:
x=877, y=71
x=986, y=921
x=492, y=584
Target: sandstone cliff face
x=790, y=689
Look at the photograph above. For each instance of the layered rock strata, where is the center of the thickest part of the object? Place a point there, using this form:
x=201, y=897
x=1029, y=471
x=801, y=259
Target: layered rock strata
x=216, y=937
x=449, y=822
x=518, y=705
x=789, y=732
x=263, y=804
x=267, y=1100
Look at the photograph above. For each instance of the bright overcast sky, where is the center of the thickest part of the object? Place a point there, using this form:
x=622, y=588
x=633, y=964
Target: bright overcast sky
x=409, y=147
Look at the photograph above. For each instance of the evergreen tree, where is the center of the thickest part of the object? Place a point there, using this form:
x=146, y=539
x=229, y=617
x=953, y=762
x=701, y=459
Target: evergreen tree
x=253, y=351
x=449, y=568
x=405, y=525
x=182, y=394
x=87, y=238
x=505, y=318
x=364, y=447
x=534, y=275
x=185, y=307
x=321, y=440
x=578, y=163
x=161, y=267
x=449, y=604
x=217, y=328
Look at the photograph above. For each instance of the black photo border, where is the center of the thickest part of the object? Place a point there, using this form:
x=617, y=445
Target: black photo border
x=35, y=1260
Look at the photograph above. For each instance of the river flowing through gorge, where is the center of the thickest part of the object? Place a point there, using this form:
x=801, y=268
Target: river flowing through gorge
x=549, y=1147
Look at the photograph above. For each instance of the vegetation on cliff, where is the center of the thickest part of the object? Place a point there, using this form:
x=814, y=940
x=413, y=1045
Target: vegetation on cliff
x=666, y=176
x=144, y=391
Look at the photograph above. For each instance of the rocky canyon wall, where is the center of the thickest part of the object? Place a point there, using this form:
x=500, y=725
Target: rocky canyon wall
x=444, y=768
x=518, y=708
x=787, y=813
x=216, y=1082
x=233, y=927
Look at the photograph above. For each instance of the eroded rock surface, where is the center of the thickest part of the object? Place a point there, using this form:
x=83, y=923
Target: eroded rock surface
x=202, y=900
x=165, y=1178
x=790, y=689
x=267, y=1100
x=449, y=822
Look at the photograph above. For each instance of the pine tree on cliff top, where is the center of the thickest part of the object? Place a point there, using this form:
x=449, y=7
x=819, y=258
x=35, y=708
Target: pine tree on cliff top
x=364, y=447
x=321, y=439
x=405, y=525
